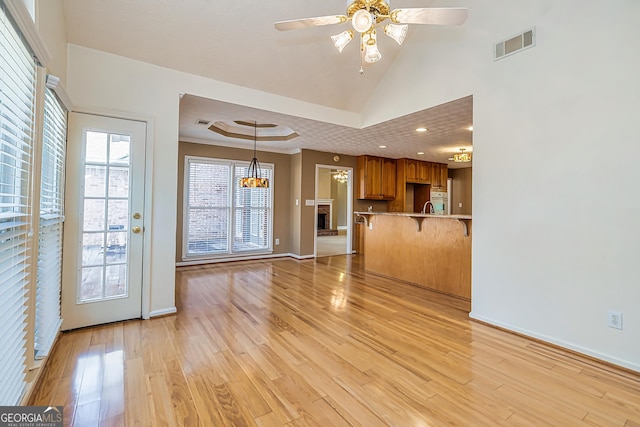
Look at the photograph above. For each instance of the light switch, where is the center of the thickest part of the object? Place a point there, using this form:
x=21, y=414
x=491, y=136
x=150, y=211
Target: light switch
x=309, y=202
x=460, y=204
x=297, y=202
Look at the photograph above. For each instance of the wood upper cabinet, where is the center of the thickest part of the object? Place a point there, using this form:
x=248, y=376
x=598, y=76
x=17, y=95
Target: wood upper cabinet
x=376, y=178
x=417, y=171
x=438, y=176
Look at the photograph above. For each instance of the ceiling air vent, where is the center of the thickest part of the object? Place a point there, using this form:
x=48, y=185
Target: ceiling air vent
x=203, y=122
x=514, y=44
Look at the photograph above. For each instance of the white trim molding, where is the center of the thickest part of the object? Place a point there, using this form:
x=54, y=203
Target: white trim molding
x=24, y=20
x=162, y=312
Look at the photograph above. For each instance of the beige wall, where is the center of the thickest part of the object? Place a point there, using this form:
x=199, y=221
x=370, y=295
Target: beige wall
x=281, y=188
x=461, y=191
x=296, y=196
x=309, y=160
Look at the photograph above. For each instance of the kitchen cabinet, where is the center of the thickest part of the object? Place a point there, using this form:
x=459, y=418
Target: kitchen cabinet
x=360, y=232
x=376, y=178
x=415, y=179
x=417, y=171
x=438, y=176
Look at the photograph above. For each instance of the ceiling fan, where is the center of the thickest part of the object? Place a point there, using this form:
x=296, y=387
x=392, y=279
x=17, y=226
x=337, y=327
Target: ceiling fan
x=366, y=14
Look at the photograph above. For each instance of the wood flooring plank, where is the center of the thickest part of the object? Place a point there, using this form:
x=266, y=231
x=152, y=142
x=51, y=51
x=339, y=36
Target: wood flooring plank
x=322, y=342
x=112, y=398
x=136, y=393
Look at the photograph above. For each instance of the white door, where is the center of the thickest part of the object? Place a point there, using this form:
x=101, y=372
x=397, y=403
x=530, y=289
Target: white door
x=104, y=200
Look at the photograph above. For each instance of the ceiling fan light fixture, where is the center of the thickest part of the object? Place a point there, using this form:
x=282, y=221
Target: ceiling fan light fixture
x=342, y=39
x=362, y=21
x=371, y=52
x=396, y=32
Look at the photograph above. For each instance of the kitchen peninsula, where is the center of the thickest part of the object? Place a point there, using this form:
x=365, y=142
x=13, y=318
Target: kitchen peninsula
x=432, y=251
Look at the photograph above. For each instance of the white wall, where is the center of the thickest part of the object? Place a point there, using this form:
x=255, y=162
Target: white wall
x=51, y=26
x=555, y=179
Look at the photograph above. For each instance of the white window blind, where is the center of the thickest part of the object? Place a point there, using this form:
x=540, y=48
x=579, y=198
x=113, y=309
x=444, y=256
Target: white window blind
x=252, y=211
x=221, y=217
x=49, y=271
x=17, y=88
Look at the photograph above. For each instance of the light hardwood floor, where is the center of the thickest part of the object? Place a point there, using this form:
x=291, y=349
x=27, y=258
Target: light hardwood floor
x=321, y=343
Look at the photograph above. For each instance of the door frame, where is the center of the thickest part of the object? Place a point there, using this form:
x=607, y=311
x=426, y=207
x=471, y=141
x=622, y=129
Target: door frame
x=349, y=246
x=149, y=122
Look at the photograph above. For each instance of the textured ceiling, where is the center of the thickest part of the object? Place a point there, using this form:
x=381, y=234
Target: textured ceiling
x=447, y=126
x=235, y=42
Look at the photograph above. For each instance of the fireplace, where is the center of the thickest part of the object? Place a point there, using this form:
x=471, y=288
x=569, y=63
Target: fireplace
x=324, y=220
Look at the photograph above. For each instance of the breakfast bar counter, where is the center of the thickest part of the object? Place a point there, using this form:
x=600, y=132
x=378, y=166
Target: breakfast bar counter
x=432, y=251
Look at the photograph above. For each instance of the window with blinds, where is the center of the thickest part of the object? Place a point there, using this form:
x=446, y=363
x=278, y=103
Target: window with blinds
x=17, y=89
x=49, y=271
x=221, y=217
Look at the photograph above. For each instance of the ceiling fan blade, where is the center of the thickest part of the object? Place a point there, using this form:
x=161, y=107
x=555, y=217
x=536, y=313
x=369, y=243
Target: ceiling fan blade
x=298, y=24
x=430, y=15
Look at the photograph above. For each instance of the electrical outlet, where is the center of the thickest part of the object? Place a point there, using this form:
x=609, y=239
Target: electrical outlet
x=614, y=319
x=277, y=242
x=460, y=204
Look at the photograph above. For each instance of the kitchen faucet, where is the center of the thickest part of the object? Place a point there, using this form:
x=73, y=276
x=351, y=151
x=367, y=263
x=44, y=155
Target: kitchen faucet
x=424, y=208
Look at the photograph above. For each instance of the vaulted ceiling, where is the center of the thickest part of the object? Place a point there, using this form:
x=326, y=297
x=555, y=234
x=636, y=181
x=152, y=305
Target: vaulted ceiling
x=235, y=42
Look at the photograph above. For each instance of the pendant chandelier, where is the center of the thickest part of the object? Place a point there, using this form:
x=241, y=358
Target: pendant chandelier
x=253, y=178
x=342, y=176
x=462, y=156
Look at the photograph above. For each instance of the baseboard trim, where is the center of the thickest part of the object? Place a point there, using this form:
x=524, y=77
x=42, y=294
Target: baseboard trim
x=163, y=312
x=245, y=258
x=227, y=259
x=300, y=257
x=595, y=356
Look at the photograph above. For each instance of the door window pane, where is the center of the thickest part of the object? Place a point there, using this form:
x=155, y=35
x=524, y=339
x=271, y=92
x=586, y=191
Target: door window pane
x=96, y=147
x=106, y=216
x=92, y=249
x=93, y=215
x=116, y=248
x=92, y=281
x=115, y=280
x=95, y=180
x=119, y=149
x=118, y=214
x=118, y=182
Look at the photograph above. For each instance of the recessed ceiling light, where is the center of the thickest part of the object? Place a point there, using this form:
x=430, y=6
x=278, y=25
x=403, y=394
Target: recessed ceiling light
x=382, y=146
x=420, y=153
x=421, y=129
x=470, y=128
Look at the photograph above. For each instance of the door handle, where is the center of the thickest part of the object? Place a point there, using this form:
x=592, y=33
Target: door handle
x=136, y=229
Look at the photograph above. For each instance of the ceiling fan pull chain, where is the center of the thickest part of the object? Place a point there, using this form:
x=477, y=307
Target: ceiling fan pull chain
x=361, y=53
